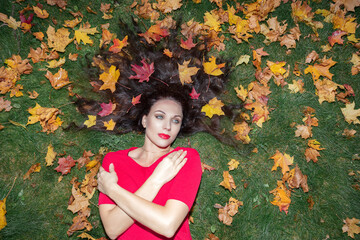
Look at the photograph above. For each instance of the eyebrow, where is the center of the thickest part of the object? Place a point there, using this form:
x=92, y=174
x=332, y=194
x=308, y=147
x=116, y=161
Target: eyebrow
x=165, y=113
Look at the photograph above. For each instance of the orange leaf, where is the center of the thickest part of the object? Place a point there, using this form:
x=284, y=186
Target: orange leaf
x=228, y=181
x=283, y=161
x=281, y=197
x=336, y=37
x=59, y=80
x=118, y=45
x=212, y=68
x=311, y=154
x=110, y=78
x=34, y=168
x=154, y=33
x=65, y=165
x=136, y=100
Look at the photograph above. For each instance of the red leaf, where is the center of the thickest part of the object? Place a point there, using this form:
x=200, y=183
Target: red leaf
x=142, y=72
x=194, y=94
x=136, y=100
x=336, y=37
x=188, y=44
x=65, y=165
x=107, y=109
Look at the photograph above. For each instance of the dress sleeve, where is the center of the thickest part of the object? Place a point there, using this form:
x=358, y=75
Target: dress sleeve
x=186, y=183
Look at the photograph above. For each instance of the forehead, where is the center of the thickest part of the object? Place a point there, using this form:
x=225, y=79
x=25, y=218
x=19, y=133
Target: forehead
x=167, y=106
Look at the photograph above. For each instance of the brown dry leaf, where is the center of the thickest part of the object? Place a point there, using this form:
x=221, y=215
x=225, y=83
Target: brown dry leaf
x=312, y=57
x=19, y=65
x=84, y=159
x=167, y=6
x=311, y=154
x=73, y=57
x=204, y=167
x=33, y=94
x=39, y=35
x=59, y=80
x=46, y=116
x=260, y=112
x=297, y=86
x=79, y=202
x=351, y=226
x=326, y=90
x=5, y=105
x=349, y=133
x=228, y=181
x=211, y=236
x=80, y=222
x=303, y=131
x=351, y=114
x=296, y=179
x=34, y=168
x=226, y=213
x=146, y=11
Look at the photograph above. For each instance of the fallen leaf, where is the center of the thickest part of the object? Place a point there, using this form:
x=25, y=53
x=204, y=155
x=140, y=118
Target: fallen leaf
x=194, y=94
x=110, y=78
x=281, y=197
x=228, y=181
x=40, y=13
x=118, y=45
x=91, y=121
x=188, y=44
x=50, y=156
x=65, y=165
x=58, y=40
x=336, y=37
x=143, y=72
x=303, y=131
x=186, y=72
x=5, y=105
x=80, y=201
x=34, y=168
x=233, y=164
x=212, y=68
x=110, y=125
x=46, y=116
x=351, y=226
x=351, y=114
x=283, y=161
x=213, y=108
x=3, y=222
x=10, y=21
x=154, y=34
x=59, y=80
x=80, y=222
x=311, y=154
x=243, y=59
x=243, y=131
x=349, y=133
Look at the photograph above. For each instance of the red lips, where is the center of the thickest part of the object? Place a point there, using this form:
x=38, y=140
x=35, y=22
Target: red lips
x=164, y=136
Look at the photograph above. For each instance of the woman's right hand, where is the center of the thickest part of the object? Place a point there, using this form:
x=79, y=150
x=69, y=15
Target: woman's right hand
x=169, y=167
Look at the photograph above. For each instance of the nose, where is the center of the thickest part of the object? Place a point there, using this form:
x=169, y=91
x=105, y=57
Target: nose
x=167, y=125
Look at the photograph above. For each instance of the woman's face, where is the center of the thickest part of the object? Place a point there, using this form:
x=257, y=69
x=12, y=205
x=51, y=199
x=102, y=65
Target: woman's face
x=163, y=123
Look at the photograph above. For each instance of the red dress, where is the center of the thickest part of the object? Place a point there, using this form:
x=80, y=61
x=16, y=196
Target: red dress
x=182, y=187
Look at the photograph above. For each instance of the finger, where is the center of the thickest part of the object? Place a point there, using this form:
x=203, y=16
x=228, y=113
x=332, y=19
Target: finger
x=111, y=168
x=181, y=164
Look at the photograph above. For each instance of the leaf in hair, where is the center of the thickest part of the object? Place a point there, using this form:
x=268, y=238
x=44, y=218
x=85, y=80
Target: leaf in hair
x=142, y=72
x=186, y=72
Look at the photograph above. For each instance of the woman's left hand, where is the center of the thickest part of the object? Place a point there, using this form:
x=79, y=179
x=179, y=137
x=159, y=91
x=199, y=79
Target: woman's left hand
x=107, y=180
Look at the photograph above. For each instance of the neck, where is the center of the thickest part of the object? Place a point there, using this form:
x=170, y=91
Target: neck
x=160, y=150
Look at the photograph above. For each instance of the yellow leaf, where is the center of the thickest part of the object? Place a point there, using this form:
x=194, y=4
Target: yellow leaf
x=350, y=226
x=212, y=68
x=352, y=38
x=82, y=34
x=110, y=125
x=243, y=59
x=233, y=164
x=91, y=164
x=40, y=13
x=351, y=114
x=91, y=121
x=213, y=107
x=58, y=40
x=50, y=156
x=242, y=130
x=228, y=181
x=281, y=197
x=283, y=161
x=277, y=68
x=186, y=72
x=297, y=86
x=11, y=22
x=110, y=78
x=55, y=63
x=2, y=213
x=212, y=21
x=315, y=144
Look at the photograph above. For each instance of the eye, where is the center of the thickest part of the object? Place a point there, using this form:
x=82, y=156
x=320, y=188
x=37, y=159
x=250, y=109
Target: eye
x=176, y=121
x=159, y=117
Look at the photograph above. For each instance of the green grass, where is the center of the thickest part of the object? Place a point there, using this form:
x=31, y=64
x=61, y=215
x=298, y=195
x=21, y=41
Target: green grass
x=37, y=208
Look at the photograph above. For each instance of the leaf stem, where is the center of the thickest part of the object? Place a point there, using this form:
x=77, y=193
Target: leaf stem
x=11, y=187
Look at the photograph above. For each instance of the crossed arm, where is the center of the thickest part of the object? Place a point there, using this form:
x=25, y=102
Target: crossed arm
x=138, y=206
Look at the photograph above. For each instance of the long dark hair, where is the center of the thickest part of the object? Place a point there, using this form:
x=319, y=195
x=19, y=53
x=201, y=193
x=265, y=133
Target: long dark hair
x=163, y=83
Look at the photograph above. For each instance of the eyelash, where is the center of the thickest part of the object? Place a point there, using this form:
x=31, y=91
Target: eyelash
x=176, y=121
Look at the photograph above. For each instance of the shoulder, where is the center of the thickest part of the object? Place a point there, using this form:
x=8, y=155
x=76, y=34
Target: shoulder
x=191, y=152
x=113, y=157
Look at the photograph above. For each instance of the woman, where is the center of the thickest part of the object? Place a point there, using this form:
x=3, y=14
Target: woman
x=147, y=192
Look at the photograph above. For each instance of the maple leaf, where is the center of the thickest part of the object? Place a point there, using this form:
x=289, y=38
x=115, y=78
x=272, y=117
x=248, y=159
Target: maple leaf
x=136, y=100
x=72, y=23
x=283, y=161
x=106, y=37
x=110, y=125
x=91, y=121
x=79, y=202
x=84, y=159
x=73, y=57
x=233, y=164
x=65, y=165
x=10, y=21
x=34, y=168
x=26, y=22
x=212, y=68
x=59, y=80
x=50, y=156
x=204, y=167
x=213, y=108
x=228, y=181
x=40, y=13
x=107, y=109
x=212, y=20
x=313, y=56
x=118, y=45
x=82, y=34
x=58, y=40
x=5, y=105
x=326, y=90
x=194, y=94
x=351, y=226
x=281, y=197
x=167, y=6
x=276, y=68
x=168, y=53
x=154, y=33
x=311, y=154
x=110, y=78
x=303, y=131
x=46, y=116
x=55, y=63
x=142, y=72
x=186, y=72
x=349, y=133
x=297, y=86
x=351, y=114
x=321, y=69
x=296, y=179
x=243, y=131
x=241, y=93
x=226, y=213
x=80, y=222
x=19, y=65
x=243, y=59
x=348, y=4
x=260, y=112
x=188, y=44
x=336, y=37
x=16, y=91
